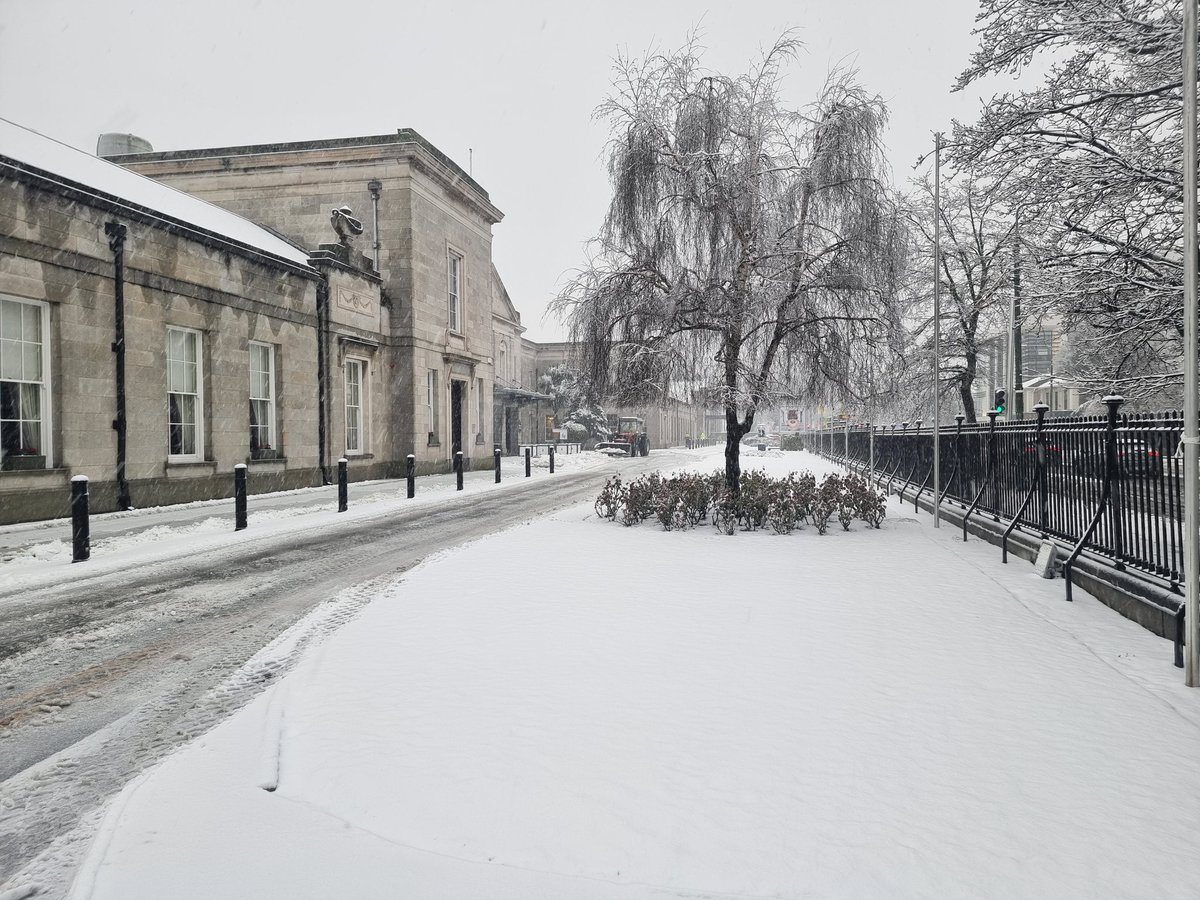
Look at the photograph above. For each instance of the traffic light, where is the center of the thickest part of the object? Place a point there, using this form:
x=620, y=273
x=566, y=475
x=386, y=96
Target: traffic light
x=1001, y=397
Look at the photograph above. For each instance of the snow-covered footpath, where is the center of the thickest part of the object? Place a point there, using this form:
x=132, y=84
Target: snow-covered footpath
x=581, y=710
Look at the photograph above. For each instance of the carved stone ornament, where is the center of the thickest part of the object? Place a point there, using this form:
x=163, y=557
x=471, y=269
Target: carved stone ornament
x=346, y=226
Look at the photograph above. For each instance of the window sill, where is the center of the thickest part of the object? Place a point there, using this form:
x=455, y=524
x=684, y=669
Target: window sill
x=24, y=462
x=267, y=462
x=352, y=457
x=190, y=468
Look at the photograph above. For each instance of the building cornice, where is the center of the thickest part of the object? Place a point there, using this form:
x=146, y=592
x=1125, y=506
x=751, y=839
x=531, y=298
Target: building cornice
x=404, y=144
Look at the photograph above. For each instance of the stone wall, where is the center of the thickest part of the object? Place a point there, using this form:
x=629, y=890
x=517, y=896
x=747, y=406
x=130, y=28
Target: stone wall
x=53, y=249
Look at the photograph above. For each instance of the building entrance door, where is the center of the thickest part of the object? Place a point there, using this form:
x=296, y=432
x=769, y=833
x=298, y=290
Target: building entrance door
x=512, y=435
x=456, y=417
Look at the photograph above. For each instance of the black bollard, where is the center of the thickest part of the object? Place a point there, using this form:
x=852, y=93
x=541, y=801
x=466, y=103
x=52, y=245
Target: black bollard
x=239, y=496
x=343, y=490
x=81, y=529
x=528, y=470
x=410, y=475
x=496, y=455
x=551, y=459
x=458, y=470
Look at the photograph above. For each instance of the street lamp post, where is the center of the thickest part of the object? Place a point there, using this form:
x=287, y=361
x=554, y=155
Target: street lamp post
x=1191, y=437
x=937, y=327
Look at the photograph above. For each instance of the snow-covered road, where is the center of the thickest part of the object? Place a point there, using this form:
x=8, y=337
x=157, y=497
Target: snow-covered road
x=575, y=709
x=108, y=665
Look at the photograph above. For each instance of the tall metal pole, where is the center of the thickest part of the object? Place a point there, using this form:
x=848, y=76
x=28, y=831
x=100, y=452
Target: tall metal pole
x=937, y=328
x=1017, y=398
x=1010, y=376
x=1191, y=428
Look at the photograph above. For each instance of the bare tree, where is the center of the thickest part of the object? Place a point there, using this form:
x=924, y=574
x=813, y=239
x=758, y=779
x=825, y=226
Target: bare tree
x=1091, y=156
x=750, y=247
x=978, y=234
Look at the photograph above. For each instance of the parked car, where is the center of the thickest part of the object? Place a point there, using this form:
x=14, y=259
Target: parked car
x=1136, y=457
x=1054, y=453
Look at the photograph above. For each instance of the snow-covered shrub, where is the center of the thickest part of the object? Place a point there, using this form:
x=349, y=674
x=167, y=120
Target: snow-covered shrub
x=725, y=512
x=757, y=494
x=826, y=502
x=791, y=442
x=611, y=499
x=782, y=517
x=640, y=498
x=870, y=505
x=683, y=501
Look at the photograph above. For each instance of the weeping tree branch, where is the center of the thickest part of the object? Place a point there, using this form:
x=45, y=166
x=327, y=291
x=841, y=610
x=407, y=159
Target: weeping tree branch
x=748, y=247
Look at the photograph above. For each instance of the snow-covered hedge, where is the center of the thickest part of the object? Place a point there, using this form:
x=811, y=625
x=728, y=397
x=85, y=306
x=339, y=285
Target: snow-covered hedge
x=684, y=501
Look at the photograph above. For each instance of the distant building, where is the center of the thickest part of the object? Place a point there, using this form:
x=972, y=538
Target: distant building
x=1044, y=378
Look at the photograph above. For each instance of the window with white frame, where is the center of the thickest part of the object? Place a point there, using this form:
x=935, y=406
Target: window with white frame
x=356, y=372
x=185, y=400
x=24, y=374
x=454, y=265
x=262, y=400
x=432, y=405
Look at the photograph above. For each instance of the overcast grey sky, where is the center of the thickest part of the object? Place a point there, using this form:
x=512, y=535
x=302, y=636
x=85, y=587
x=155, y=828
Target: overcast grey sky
x=517, y=82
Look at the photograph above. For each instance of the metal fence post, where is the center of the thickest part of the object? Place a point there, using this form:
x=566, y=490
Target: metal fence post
x=1043, y=488
x=551, y=459
x=992, y=474
x=410, y=475
x=1180, y=628
x=81, y=529
x=458, y=470
x=1112, y=475
x=959, y=418
x=871, y=449
x=343, y=479
x=528, y=454
x=239, y=496
x=496, y=456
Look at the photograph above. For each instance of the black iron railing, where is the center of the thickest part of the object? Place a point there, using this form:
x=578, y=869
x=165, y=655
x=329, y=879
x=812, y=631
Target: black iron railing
x=1111, y=485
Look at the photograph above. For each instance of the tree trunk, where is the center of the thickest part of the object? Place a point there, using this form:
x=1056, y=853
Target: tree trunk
x=964, y=388
x=968, y=402
x=734, y=432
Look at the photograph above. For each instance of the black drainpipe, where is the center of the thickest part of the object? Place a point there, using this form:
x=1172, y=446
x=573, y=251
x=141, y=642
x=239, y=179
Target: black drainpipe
x=323, y=375
x=116, y=232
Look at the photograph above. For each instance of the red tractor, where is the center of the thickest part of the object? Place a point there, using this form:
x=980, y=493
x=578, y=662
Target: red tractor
x=628, y=437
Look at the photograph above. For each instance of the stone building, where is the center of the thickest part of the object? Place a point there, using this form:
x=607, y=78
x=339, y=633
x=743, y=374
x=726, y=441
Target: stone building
x=429, y=227
x=517, y=397
x=151, y=341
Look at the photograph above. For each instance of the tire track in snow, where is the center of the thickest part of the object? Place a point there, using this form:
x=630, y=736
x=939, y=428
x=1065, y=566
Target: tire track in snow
x=211, y=636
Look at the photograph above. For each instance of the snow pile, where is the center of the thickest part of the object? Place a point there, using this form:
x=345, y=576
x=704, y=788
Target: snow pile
x=32, y=558
x=665, y=715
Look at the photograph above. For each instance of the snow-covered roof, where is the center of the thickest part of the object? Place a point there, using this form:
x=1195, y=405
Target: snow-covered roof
x=45, y=156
